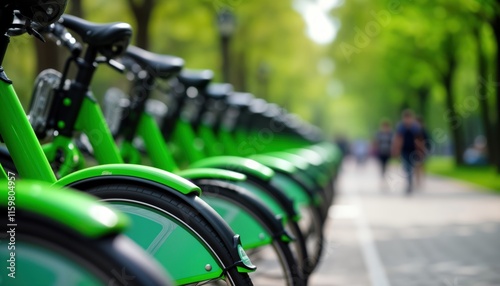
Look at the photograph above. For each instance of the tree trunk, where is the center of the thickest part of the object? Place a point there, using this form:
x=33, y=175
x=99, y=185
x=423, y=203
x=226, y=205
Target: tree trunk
x=482, y=94
x=240, y=73
x=76, y=8
x=47, y=55
x=496, y=29
x=454, y=120
x=423, y=98
x=225, y=59
x=142, y=12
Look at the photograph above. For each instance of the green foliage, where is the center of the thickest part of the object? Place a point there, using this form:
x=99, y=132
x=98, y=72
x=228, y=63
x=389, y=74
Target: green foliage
x=394, y=54
x=387, y=55
x=485, y=176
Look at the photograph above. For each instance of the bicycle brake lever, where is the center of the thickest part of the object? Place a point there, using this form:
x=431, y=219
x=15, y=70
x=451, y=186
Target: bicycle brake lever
x=35, y=33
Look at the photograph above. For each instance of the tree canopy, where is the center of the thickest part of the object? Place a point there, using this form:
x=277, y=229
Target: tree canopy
x=438, y=57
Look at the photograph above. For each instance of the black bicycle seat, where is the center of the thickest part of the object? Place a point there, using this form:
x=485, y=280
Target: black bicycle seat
x=273, y=110
x=219, y=90
x=198, y=79
x=258, y=106
x=157, y=65
x=240, y=99
x=98, y=35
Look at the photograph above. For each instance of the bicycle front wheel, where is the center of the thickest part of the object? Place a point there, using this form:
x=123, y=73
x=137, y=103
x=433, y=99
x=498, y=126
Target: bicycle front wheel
x=175, y=233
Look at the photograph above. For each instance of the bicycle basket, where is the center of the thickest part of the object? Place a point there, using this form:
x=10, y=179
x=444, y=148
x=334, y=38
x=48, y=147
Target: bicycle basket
x=115, y=102
x=46, y=84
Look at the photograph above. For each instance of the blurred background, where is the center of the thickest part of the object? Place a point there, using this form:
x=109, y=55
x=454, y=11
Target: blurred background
x=341, y=65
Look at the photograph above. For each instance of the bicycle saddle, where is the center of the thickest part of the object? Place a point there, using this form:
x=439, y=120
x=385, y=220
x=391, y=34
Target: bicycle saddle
x=258, y=106
x=219, y=90
x=240, y=99
x=273, y=111
x=197, y=79
x=157, y=65
x=116, y=35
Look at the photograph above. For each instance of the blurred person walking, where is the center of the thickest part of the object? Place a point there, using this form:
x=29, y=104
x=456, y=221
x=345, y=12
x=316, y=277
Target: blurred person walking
x=361, y=150
x=422, y=152
x=407, y=144
x=382, y=145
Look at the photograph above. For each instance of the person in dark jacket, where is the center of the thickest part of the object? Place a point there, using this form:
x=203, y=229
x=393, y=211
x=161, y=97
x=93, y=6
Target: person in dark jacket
x=408, y=144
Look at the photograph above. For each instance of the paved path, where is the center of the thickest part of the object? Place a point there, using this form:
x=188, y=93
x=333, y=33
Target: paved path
x=447, y=234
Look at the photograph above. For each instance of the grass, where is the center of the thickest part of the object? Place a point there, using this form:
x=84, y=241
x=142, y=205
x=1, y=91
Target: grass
x=485, y=176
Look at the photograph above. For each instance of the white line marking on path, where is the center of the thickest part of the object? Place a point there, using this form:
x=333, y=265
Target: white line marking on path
x=376, y=269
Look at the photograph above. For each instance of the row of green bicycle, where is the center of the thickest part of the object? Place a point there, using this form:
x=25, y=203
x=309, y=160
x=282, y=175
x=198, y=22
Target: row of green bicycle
x=179, y=175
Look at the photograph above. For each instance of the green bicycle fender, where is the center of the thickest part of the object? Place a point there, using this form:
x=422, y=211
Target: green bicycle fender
x=299, y=162
x=275, y=163
x=316, y=169
x=315, y=160
x=332, y=149
x=333, y=156
x=284, y=169
x=312, y=157
x=323, y=160
x=76, y=210
x=211, y=173
x=327, y=155
x=239, y=164
x=130, y=170
x=298, y=166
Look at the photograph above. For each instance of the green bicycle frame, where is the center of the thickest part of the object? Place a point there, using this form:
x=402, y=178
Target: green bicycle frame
x=91, y=122
x=192, y=147
x=20, y=138
x=31, y=162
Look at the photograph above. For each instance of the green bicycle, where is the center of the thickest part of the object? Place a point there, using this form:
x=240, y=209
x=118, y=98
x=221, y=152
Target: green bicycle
x=168, y=218
x=52, y=235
